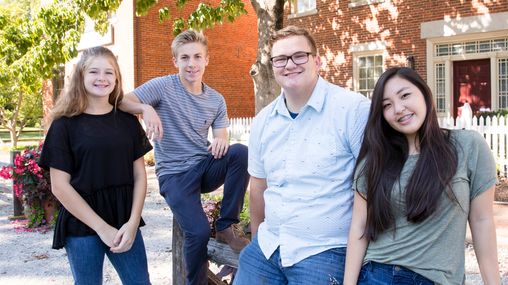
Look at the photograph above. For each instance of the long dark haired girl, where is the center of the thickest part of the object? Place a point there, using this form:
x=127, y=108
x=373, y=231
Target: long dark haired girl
x=416, y=187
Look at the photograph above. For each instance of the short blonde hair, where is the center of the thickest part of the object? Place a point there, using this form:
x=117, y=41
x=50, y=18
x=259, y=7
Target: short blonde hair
x=290, y=31
x=188, y=36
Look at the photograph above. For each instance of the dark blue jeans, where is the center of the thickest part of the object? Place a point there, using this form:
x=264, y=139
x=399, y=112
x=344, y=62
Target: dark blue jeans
x=86, y=258
x=325, y=268
x=374, y=273
x=182, y=192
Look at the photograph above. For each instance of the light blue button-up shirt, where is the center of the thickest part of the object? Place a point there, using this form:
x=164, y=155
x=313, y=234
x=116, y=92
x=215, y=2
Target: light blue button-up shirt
x=308, y=165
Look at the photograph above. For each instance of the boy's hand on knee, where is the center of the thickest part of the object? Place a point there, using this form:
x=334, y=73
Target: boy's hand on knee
x=219, y=147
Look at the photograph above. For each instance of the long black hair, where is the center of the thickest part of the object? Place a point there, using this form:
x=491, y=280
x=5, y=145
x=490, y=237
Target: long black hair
x=385, y=150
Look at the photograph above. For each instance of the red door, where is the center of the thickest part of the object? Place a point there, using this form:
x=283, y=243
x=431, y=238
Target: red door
x=471, y=83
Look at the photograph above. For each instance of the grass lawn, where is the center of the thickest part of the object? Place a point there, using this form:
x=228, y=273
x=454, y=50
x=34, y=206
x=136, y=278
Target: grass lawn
x=29, y=136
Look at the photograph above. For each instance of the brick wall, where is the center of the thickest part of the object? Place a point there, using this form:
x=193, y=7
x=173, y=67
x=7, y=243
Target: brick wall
x=336, y=27
x=232, y=48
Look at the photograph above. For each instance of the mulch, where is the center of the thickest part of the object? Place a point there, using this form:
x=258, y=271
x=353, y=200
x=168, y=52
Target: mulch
x=501, y=194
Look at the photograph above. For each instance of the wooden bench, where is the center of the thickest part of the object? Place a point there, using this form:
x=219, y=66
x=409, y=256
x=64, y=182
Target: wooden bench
x=218, y=253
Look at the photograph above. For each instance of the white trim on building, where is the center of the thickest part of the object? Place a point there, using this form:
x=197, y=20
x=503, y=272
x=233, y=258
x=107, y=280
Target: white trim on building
x=468, y=38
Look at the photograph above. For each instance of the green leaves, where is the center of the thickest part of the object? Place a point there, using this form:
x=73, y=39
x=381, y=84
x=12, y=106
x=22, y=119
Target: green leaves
x=205, y=15
x=99, y=11
x=180, y=3
x=143, y=6
x=178, y=26
x=34, y=40
x=164, y=14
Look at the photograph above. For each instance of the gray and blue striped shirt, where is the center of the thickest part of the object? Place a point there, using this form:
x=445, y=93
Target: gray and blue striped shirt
x=186, y=119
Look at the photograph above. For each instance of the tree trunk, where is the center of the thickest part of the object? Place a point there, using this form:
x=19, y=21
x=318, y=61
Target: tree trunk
x=13, y=124
x=179, y=271
x=270, y=14
x=17, y=204
x=14, y=138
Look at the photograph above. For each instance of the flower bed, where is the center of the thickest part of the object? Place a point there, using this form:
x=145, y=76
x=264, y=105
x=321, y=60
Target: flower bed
x=211, y=203
x=32, y=185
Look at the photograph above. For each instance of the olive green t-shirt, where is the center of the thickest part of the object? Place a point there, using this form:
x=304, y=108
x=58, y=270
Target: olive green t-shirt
x=434, y=248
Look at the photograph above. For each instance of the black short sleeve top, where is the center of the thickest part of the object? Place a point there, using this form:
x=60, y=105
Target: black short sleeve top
x=98, y=151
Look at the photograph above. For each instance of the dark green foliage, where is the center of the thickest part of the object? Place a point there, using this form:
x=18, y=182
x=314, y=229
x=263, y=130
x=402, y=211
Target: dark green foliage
x=498, y=113
x=205, y=15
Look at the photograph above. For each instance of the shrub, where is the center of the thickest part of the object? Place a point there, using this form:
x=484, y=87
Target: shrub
x=31, y=184
x=149, y=158
x=211, y=205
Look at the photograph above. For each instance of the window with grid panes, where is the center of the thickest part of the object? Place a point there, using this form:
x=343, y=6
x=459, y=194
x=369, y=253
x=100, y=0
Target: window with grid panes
x=471, y=47
x=302, y=6
x=440, y=87
x=369, y=69
x=503, y=83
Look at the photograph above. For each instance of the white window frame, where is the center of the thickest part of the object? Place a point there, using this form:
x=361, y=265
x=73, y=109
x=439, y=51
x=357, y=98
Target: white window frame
x=374, y=48
x=502, y=81
x=433, y=59
x=358, y=3
x=296, y=12
x=374, y=77
x=461, y=33
x=441, y=95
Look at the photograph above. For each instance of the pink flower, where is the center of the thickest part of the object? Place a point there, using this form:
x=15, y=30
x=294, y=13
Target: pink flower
x=6, y=172
x=30, y=181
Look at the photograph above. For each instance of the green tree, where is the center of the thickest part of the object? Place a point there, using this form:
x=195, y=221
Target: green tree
x=34, y=39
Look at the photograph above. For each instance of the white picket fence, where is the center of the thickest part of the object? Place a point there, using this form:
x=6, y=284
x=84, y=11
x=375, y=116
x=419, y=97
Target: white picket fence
x=239, y=130
x=495, y=131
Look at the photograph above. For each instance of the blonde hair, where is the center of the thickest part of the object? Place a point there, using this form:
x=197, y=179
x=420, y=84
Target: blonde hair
x=73, y=100
x=291, y=31
x=188, y=36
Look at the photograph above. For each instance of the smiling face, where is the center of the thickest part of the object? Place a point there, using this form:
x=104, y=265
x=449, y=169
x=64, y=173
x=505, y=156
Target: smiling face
x=191, y=60
x=404, y=107
x=294, y=77
x=99, y=77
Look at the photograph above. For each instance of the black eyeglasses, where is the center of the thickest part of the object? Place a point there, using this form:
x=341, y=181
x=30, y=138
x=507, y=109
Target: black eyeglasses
x=298, y=58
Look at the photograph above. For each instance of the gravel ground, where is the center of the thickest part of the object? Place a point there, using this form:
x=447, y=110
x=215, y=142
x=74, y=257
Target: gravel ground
x=26, y=258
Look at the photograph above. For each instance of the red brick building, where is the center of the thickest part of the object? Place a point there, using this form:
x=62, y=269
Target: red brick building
x=459, y=47
x=143, y=49
x=232, y=48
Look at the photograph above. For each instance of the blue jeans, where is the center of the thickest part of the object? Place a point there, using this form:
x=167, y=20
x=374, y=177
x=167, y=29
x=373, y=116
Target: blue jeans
x=374, y=273
x=86, y=258
x=324, y=268
x=183, y=191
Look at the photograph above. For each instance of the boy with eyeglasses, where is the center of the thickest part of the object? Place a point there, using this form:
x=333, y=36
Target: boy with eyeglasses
x=184, y=108
x=302, y=151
